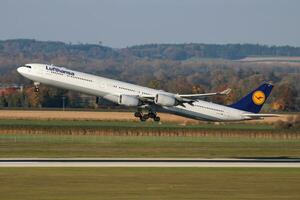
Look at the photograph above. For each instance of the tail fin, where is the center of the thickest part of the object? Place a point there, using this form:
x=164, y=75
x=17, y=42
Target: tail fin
x=254, y=101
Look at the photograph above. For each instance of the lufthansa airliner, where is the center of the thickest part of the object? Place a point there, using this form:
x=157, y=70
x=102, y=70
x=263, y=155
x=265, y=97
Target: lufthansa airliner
x=143, y=98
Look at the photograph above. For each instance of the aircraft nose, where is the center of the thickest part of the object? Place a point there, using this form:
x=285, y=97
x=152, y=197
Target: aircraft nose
x=20, y=69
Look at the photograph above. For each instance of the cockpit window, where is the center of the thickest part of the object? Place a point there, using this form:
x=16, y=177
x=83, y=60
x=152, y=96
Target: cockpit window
x=28, y=66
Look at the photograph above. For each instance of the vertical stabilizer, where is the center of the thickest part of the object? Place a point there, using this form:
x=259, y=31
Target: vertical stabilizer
x=254, y=101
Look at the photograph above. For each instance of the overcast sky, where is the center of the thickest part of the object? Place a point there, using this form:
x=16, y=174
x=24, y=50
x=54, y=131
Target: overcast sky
x=121, y=23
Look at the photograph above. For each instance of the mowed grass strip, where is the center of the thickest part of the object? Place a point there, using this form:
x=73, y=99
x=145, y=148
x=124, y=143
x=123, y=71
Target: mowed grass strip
x=125, y=128
x=13, y=145
x=65, y=124
x=149, y=183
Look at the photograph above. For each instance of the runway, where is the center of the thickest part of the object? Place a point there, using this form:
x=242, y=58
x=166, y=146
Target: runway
x=147, y=162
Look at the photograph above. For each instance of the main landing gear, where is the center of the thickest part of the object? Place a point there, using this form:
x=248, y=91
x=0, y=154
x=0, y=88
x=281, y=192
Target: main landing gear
x=144, y=117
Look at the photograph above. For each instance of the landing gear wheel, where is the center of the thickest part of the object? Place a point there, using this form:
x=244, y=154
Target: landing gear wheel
x=156, y=118
x=142, y=118
x=36, y=89
x=146, y=116
x=152, y=115
x=138, y=114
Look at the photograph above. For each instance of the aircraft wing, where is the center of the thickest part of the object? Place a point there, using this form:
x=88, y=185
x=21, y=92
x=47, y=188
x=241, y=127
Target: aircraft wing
x=184, y=98
x=198, y=96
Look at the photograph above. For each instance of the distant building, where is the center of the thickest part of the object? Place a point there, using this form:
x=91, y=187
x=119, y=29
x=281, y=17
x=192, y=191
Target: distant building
x=8, y=89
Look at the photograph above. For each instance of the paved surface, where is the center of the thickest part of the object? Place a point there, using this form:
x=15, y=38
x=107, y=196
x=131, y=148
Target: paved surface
x=149, y=162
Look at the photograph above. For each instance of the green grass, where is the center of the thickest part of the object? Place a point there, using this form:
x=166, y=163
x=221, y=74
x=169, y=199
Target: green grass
x=149, y=183
x=125, y=124
x=13, y=145
x=81, y=139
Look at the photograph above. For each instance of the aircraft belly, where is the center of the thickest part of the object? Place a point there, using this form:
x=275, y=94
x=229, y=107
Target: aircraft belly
x=185, y=112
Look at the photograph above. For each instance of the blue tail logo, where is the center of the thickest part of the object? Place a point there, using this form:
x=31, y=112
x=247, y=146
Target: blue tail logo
x=254, y=101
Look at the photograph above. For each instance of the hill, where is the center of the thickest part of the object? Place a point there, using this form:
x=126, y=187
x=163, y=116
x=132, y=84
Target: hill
x=151, y=51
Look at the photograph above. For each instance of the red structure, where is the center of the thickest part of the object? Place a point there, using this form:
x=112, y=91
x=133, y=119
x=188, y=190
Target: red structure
x=8, y=90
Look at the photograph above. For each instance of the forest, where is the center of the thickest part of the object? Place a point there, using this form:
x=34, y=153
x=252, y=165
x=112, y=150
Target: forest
x=179, y=68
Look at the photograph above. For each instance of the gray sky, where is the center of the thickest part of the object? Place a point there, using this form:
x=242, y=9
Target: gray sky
x=121, y=23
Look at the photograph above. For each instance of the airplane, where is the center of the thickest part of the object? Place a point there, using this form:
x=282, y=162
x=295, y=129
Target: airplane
x=152, y=100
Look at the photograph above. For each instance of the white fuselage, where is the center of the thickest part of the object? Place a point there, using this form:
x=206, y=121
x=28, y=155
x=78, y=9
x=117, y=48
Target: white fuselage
x=111, y=90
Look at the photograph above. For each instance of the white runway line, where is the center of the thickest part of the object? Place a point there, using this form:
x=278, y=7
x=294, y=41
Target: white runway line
x=124, y=164
x=153, y=162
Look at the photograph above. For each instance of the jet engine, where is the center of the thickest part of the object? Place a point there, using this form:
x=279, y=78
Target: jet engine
x=165, y=100
x=126, y=100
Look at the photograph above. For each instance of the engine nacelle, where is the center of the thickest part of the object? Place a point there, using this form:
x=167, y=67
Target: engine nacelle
x=126, y=100
x=165, y=100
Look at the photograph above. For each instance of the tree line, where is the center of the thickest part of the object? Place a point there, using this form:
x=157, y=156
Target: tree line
x=151, y=51
x=155, y=66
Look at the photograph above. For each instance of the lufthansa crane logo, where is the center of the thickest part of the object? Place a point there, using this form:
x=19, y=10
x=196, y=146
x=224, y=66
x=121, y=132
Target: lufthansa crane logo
x=258, y=97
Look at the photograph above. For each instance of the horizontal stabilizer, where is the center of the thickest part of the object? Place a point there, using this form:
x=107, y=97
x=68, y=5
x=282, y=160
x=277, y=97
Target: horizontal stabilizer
x=257, y=116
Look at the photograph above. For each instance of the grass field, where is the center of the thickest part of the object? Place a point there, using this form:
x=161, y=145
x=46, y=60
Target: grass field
x=24, y=145
x=149, y=183
x=89, y=137
x=132, y=128
x=17, y=123
x=59, y=138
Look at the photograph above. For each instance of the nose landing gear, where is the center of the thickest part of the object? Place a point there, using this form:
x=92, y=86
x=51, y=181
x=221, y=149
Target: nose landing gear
x=36, y=87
